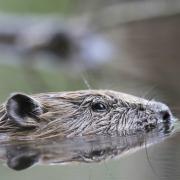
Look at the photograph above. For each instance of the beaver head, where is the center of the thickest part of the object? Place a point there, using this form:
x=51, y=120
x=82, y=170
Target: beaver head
x=79, y=113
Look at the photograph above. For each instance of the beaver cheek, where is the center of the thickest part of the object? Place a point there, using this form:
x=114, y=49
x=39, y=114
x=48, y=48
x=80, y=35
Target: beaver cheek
x=21, y=158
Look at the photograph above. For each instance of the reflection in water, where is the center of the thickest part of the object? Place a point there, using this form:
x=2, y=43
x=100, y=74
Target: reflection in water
x=23, y=154
x=165, y=157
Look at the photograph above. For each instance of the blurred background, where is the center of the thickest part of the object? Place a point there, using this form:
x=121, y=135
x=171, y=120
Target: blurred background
x=130, y=46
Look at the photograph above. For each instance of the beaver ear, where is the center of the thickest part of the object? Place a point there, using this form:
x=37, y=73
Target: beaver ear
x=23, y=110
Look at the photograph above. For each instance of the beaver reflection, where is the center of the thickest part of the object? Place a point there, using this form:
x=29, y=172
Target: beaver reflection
x=21, y=157
x=24, y=154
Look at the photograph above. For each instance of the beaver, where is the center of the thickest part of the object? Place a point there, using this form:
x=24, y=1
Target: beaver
x=81, y=113
x=78, y=114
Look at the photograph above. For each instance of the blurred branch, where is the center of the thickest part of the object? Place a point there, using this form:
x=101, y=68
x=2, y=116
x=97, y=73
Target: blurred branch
x=120, y=12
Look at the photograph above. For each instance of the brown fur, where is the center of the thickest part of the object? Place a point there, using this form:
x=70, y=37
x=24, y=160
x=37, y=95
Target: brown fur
x=69, y=114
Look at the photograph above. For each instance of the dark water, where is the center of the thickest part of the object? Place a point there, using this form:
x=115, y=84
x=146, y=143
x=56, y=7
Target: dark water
x=153, y=155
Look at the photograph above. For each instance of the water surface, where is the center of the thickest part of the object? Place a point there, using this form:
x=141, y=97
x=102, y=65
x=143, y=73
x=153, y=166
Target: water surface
x=153, y=155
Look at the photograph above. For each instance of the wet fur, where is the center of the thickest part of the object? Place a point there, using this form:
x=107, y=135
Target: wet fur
x=69, y=114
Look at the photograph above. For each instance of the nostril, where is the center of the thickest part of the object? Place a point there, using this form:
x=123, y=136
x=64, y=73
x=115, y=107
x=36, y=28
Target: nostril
x=165, y=115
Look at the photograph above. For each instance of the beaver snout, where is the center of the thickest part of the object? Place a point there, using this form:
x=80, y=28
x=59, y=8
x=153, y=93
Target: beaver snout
x=162, y=111
x=158, y=115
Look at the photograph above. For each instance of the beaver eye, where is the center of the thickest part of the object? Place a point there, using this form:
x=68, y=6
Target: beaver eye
x=98, y=107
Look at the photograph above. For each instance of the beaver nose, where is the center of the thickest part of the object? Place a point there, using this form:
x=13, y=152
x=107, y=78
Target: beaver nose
x=165, y=115
x=162, y=110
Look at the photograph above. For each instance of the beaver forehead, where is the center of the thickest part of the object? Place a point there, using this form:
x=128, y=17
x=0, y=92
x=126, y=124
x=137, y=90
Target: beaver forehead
x=88, y=94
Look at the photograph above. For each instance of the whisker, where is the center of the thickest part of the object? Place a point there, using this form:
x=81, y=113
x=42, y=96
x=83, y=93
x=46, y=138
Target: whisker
x=148, y=159
x=149, y=100
x=107, y=170
x=90, y=173
x=86, y=82
x=149, y=92
x=175, y=108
